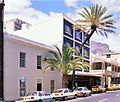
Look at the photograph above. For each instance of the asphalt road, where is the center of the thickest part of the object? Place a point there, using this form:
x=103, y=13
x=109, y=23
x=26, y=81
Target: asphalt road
x=111, y=96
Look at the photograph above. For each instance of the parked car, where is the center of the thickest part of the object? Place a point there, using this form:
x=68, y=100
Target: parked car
x=82, y=91
x=64, y=94
x=98, y=88
x=112, y=87
x=40, y=96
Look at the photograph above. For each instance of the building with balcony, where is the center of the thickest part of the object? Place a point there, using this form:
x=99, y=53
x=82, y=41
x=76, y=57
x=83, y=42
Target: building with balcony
x=108, y=66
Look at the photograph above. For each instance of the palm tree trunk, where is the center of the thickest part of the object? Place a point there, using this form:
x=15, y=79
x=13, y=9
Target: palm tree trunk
x=73, y=79
x=91, y=33
x=65, y=81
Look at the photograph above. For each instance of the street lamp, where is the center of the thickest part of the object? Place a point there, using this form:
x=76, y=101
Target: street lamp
x=1, y=49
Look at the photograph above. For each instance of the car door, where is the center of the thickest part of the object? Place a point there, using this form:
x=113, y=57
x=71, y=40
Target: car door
x=48, y=97
x=71, y=94
x=87, y=91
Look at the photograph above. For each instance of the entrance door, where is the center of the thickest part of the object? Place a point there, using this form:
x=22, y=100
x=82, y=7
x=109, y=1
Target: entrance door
x=39, y=87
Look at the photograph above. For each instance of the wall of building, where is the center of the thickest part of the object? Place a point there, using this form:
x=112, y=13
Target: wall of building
x=13, y=73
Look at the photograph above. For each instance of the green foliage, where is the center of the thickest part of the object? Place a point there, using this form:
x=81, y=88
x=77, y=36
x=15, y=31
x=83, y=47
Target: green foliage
x=64, y=61
x=96, y=18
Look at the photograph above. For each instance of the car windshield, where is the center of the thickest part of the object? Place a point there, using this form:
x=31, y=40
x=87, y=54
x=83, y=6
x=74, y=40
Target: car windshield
x=79, y=89
x=100, y=86
x=95, y=86
x=34, y=94
x=58, y=91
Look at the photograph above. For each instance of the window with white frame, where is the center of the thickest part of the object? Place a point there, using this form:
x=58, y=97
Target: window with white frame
x=78, y=50
x=67, y=44
x=39, y=84
x=39, y=61
x=78, y=35
x=68, y=29
x=52, y=82
x=86, y=53
x=22, y=59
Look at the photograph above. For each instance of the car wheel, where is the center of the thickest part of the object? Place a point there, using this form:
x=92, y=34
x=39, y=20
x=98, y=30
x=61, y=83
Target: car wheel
x=90, y=94
x=40, y=101
x=84, y=94
x=65, y=98
x=75, y=96
x=53, y=100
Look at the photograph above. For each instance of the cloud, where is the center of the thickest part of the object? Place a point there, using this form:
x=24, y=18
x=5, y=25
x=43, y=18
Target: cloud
x=113, y=40
x=71, y=3
x=23, y=10
x=112, y=5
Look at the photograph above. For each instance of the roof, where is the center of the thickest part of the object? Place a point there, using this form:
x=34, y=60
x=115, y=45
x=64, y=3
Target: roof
x=16, y=38
x=37, y=32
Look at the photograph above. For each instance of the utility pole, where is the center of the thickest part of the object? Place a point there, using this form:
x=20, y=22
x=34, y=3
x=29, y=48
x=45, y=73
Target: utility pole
x=1, y=49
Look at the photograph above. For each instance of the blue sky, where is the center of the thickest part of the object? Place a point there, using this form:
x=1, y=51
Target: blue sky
x=57, y=5
x=49, y=5
x=34, y=11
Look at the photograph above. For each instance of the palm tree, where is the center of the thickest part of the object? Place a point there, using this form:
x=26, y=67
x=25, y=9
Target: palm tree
x=63, y=62
x=95, y=19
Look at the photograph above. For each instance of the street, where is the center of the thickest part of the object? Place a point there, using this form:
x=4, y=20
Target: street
x=111, y=96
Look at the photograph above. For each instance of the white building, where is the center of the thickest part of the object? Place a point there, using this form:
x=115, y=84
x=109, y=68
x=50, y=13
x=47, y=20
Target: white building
x=24, y=47
x=24, y=69
x=15, y=24
x=57, y=30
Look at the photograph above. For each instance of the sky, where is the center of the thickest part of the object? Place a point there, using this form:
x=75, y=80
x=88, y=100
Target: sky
x=34, y=11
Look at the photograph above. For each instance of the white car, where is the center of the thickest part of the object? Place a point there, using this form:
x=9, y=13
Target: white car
x=63, y=94
x=82, y=91
x=36, y=96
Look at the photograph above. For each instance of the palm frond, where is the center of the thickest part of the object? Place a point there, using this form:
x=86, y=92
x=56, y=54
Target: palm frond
x=106, y=17
x=54, y=54
x=83, y=15
x=87, y=12
x=107, y=30
x=58, y=51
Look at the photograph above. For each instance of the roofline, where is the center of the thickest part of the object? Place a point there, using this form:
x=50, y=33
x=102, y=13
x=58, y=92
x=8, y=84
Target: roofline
x=112, y=53
x=27, y=41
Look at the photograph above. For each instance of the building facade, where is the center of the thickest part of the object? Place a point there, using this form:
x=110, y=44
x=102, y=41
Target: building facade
x=15, y=24
x=58, y=30
x=25, y=50
x=24, y=68
x=108, y=66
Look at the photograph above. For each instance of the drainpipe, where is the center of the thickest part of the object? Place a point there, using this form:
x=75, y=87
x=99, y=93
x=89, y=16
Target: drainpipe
x=1, y=50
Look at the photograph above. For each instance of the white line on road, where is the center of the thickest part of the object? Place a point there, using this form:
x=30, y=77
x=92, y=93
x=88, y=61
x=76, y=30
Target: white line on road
x=117, y=95
x=103, y=100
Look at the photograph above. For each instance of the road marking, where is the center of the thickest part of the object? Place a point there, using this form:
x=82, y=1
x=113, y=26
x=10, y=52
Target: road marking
x=117, y=95
x=103, y=100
